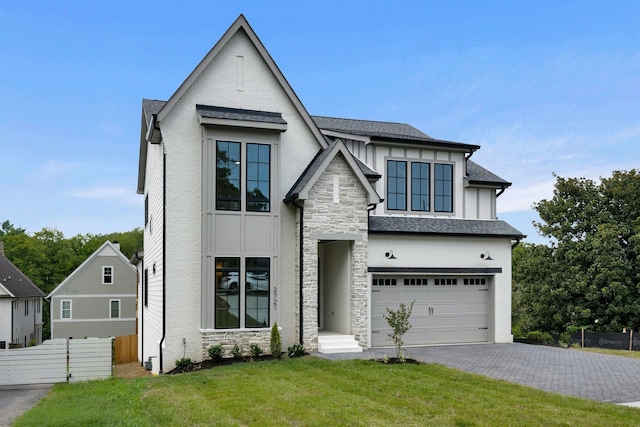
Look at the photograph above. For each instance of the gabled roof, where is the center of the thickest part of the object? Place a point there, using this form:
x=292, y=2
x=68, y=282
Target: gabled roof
x=478, y=175
x=240, y=24
x=87, y=261
x=387, y=131
x=314, y=170
x=15, y=282
x=443, y=226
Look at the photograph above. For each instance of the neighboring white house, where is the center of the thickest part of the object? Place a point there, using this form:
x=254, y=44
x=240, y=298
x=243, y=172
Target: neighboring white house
x=98, y=299
x=20, y=306
x=257, y=212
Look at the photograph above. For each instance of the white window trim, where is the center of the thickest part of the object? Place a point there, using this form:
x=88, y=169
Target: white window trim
x=104, y=267
x=119, y=309
x=70, y=309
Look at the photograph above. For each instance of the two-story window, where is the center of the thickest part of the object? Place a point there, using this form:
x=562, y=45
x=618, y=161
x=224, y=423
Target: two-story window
x=242, y=289
x=243, y=185
x=429, y=188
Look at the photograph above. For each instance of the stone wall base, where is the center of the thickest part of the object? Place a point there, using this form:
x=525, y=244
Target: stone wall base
x=242, y=338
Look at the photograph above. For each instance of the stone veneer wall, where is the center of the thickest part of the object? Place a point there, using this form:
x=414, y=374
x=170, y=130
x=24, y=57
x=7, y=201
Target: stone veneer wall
x=243, y=338
x=349, y=216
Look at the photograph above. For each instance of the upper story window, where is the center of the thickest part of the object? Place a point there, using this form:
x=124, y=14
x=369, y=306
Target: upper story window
x=65, y=309
x=232, y=176
x=114, y=309
x=430, y=186
x=107, y=275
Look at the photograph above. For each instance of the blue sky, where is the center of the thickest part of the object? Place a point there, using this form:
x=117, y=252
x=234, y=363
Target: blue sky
x=544, y=87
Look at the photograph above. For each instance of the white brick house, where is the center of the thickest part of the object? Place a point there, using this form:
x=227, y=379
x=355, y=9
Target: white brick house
x=257, y=212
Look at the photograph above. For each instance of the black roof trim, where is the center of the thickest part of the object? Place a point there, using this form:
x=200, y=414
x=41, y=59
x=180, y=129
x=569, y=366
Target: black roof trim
x=443, y=226
x=213, y=112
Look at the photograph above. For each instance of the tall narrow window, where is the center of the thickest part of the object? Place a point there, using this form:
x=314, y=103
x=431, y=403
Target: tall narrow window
x=228, y=168
x=396, y=185
x=146, y=210
x=65, y=309
x=114, y=309
x=258, y=173
x=443, y=188
x=227, y=298
x=107, y=275
x=257, y=293
x=420, y=177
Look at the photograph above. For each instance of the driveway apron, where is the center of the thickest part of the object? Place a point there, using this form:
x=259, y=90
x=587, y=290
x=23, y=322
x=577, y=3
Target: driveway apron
x=595, y=376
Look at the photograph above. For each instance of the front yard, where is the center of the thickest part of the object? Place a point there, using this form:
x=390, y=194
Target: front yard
x=315, y=392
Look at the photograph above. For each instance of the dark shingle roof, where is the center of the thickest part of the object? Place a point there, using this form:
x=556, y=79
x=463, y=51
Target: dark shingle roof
x=151, y=107
x=443, y=226
x=479, y=175
x=370, y=128
x=14, y=280
x=385, y=130
x=213, y=112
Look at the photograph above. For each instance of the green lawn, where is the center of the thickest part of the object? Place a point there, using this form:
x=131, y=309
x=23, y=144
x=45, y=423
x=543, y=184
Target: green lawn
x=315, y=392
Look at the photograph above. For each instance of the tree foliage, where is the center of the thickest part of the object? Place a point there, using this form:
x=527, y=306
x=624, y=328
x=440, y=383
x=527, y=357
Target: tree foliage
x=591, y=269
x=47, y=257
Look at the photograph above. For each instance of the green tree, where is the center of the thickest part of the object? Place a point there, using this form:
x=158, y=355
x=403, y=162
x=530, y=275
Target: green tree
x=591, y=269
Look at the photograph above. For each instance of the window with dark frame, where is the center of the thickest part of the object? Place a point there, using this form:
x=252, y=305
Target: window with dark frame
x=258, y=177
x=228, y=168
x=396, y=185
x=145, y=287
x=420, y=186
x=227, y=293
x=257, y=292
x=443, y=188
x=146, y=210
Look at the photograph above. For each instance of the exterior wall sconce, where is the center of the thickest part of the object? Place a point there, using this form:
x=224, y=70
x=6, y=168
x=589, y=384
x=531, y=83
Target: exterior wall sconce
x=390, y=255
x=486, y=256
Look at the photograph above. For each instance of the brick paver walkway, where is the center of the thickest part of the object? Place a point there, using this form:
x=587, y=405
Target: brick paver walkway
x=571, y=372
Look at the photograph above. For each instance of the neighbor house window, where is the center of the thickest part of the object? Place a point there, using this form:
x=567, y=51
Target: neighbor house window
x=430, y=186
x=107, y=275
x=232, y=176
x=114, y=309
x=65, y=309
x=242, y=289
x=396, y=185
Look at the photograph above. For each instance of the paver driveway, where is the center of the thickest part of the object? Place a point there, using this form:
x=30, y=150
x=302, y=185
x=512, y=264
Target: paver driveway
x=593, y=376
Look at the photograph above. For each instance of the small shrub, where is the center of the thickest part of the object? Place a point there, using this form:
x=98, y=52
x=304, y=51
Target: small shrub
x=185, y=364
x=275, y=343
x=398, y=320
x=565, y=340
x=216, y=352
x=255, y=350
x=236, y=352
x=296, y=350
x=537, y=337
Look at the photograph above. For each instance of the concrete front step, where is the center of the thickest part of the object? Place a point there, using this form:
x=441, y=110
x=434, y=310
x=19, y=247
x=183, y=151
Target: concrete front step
x=338, y=344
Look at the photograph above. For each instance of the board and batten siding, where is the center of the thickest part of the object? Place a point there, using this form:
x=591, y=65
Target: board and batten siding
x=151, y=312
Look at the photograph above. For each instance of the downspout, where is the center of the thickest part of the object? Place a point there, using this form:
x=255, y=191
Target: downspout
x=300, y=206
x=164, y=252
x=515, y=244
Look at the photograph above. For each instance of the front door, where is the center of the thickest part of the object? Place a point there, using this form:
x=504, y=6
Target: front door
x=334, y=273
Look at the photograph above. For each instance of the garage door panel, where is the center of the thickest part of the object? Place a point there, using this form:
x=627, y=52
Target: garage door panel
x=444, y=313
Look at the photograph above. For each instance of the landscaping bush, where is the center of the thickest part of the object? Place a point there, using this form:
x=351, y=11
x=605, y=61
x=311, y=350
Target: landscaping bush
x=236, y=352
x=185, y=364
x=275, y=343
x=537, y=337
x=296, y=350
x=255, y=350
x=216, y=352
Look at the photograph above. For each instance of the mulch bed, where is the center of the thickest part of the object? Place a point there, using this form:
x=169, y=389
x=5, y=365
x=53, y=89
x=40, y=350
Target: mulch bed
x=210, y=363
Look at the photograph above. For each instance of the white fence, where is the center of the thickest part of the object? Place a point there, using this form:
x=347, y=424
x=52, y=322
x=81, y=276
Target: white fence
x=56, y=361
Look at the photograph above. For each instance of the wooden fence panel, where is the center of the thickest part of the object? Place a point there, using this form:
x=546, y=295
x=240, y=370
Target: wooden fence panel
x=42, y=364
x=90, y=359
x=126, y=349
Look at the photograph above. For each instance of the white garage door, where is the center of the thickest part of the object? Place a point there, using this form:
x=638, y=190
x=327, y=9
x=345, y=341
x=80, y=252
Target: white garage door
x=446, y=310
